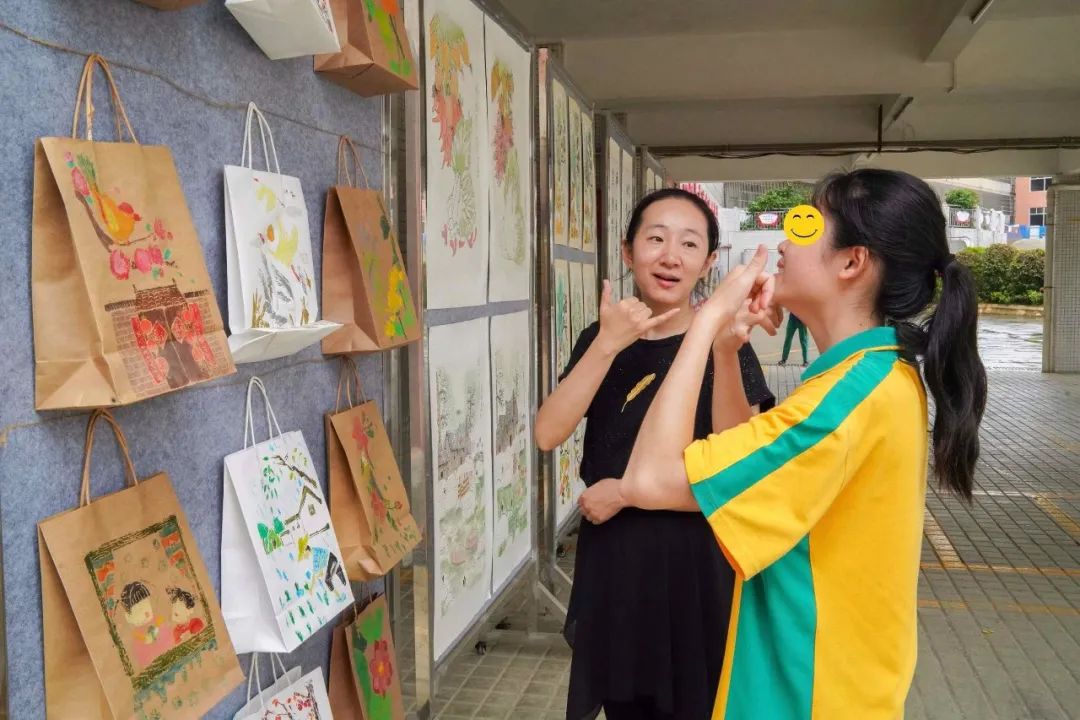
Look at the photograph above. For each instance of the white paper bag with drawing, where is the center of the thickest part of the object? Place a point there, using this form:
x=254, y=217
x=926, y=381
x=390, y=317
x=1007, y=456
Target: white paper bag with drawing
x=287, y=28
x=281, y=572
x=256, y=704
x=273, y=305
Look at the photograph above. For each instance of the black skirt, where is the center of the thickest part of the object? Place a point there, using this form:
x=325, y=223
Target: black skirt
x=648, y=614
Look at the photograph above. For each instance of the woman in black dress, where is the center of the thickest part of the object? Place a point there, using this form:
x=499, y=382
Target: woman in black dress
x=652, y=592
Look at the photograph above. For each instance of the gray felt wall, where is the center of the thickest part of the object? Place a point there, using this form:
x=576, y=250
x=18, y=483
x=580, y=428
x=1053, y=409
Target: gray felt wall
x=206, y=64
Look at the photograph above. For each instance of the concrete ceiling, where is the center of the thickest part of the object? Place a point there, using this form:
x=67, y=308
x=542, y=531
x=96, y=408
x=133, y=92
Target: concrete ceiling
x=714, y=85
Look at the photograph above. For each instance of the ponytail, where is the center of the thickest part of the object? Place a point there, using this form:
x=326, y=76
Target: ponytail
x=898, y=218
x=956, y=378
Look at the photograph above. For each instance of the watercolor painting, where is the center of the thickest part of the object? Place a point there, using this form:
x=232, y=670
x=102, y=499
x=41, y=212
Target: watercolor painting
x=560, y=165
x=615, y=219
x=460, y=397
x=510, y=374
x=564, y=339
x=509, y=114
x=590, y=294
x=575, y=174
x=457, y=166
x=588, y=185
x=288, y=523
x=627, y=208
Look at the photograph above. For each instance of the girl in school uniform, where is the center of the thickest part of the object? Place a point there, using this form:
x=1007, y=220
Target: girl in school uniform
x=648, y=609
x=818, y=504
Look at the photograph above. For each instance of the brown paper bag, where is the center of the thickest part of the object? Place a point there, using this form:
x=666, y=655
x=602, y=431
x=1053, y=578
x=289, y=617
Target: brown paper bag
x=374, y=664
x=369, y=507
x=123, y=306
x=365, y=287
x=375, y=56
x=130, y=621
x=344, y=701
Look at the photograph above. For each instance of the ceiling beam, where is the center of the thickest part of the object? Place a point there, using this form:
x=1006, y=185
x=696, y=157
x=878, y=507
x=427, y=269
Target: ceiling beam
x=952, y=28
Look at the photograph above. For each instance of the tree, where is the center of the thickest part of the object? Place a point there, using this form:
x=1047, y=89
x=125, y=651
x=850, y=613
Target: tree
x=780, y=198
x=962, y=198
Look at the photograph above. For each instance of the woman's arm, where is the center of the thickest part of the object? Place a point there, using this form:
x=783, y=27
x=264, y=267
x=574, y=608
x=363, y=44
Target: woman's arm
x=621, y=324
x=563, y=409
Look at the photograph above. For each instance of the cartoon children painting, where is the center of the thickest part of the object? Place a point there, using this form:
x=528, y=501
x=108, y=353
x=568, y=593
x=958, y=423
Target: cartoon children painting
x=149, y=634
x=183, y=610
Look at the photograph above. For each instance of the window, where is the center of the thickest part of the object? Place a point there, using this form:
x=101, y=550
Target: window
x=1039, y=184
x=1037, y=216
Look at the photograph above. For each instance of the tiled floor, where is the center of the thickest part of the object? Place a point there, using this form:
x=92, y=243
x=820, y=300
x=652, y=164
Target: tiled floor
x=999, y=597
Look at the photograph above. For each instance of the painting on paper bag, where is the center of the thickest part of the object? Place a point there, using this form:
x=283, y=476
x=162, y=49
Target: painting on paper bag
x=457, y=167
x=510, y=363
x=509, y=113
x=273, y=243
x=289, y=524
x=374, y=663
x=143, y=264
x=460, y=392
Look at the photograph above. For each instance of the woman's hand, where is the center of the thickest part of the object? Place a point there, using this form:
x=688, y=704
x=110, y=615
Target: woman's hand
x=600, y=502
x=624, y=322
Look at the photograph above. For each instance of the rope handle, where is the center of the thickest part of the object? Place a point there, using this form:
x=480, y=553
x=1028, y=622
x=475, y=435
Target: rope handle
x=271, y=418
x=84, y=99
x=349, y=378
x=247, y=157
x=346, y=142
x=88, y=451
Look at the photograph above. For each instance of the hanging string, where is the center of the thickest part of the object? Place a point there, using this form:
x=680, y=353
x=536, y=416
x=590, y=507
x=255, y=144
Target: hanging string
x=176, y=86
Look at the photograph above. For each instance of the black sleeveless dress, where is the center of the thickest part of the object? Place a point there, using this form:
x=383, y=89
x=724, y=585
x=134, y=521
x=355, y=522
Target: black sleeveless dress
x=652, y=592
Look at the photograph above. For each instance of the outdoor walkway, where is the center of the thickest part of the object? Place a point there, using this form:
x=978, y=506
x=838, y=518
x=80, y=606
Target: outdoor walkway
x=999, y=597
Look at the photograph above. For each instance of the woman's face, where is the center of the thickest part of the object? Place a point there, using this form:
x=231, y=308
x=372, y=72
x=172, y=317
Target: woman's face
x=670, y=252
x=808, y=276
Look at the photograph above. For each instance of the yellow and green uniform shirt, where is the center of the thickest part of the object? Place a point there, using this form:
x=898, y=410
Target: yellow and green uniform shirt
x=818, y=505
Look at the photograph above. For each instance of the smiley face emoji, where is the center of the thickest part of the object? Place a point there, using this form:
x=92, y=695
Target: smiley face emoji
x=804, y=225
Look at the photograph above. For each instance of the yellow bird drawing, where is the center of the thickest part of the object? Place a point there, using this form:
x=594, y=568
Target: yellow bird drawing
x=266, y=196
x=287, y=243
x=638, y=389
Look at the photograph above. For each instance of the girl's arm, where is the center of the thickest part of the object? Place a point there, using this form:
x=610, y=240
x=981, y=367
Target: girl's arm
x=655, y=477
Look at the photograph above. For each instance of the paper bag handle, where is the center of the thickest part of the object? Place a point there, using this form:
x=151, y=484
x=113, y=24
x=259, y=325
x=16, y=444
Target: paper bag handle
x=349, y=378
x=247, y=158
x=88, y=451
x=253, y=673
x=346, y=142
x=84, y=100
x=271, y=419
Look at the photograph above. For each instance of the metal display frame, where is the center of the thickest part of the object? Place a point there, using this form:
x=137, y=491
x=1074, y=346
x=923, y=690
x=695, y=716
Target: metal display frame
x=414, y=376
x=553, y=579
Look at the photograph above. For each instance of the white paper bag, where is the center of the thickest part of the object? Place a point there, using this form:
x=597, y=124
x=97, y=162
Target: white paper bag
x=257, y=703
x=305, y=699
x=281, y=572
x=273, y=303
x=288, y=28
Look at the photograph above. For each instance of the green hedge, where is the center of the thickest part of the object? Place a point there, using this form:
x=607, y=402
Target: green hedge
x=1005, y=275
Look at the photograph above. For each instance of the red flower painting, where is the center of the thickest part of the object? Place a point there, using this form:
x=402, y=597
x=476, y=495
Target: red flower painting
x=381, y=668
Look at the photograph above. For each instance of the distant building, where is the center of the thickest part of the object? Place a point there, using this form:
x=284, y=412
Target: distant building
x=1030, y=200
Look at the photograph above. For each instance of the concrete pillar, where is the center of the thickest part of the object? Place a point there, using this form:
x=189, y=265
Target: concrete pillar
x=1061, y=335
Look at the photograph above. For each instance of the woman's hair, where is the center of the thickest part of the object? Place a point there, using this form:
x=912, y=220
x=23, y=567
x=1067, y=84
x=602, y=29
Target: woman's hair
x=712, y=226
x=898, y=218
